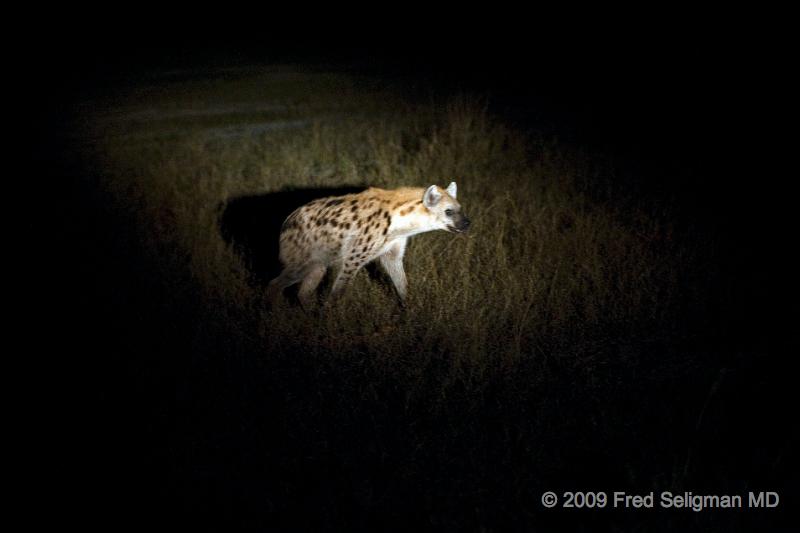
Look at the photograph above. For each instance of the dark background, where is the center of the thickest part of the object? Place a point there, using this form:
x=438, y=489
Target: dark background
x=701, y=98
x=689, y=108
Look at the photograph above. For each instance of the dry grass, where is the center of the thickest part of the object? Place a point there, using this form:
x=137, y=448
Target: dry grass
x=543, y=256
x=562, y=295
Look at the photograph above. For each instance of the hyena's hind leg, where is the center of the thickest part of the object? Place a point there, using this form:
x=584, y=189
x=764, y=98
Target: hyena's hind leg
x=287, y=278
x=345, y=273
x=309, y=285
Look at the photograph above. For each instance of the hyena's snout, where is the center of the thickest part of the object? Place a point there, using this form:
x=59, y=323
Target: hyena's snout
x=462, y=223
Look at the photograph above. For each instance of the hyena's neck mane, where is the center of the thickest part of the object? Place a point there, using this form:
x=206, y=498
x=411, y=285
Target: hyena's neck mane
x=409, y=215
x=396, y=196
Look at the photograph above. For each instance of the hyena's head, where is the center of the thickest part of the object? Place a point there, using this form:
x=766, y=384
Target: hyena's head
x=446, y=211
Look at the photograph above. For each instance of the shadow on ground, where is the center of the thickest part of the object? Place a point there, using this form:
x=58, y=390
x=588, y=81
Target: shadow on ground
x=252, y=224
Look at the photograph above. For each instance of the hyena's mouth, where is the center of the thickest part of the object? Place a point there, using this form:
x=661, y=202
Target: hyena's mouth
x=460, y=226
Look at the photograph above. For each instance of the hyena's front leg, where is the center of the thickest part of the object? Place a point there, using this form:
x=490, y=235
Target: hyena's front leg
x=392, y=263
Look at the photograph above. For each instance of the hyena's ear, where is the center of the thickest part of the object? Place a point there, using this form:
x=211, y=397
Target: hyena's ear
x=452, y=189
x=431, y=197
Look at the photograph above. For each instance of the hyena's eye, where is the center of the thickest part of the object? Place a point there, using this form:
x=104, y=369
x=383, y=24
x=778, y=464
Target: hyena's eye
x=448, y=212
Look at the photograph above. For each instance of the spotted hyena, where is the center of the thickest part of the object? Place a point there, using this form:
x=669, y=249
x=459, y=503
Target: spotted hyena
x=347, y=232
